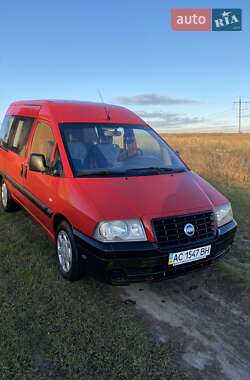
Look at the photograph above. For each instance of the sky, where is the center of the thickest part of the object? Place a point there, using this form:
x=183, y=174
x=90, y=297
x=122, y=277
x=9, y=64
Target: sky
x=177, y=81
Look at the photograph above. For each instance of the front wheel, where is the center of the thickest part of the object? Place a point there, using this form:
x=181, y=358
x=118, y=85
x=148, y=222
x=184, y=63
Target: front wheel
x=7, y=202
x=69, y=260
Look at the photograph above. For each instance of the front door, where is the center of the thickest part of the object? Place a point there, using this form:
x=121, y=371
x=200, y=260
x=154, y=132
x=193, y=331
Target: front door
x=43, y=187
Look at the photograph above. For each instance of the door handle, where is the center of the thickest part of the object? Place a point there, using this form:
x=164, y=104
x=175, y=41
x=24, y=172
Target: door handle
x=24, y=169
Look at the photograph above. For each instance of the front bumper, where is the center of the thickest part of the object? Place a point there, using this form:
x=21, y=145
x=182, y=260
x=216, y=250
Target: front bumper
x=123, y=263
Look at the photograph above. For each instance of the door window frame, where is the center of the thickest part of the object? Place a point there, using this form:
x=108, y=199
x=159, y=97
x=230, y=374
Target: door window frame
x=52, y=154
x=12, y=133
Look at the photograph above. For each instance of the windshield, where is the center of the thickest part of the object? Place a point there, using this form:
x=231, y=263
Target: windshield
x=116, y=149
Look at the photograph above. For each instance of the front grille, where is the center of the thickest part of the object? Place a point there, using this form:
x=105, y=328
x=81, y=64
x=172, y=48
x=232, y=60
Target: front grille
x=170, y=231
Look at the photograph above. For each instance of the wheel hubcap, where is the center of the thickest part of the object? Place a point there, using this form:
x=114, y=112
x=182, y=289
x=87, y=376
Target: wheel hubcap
x=4, y=195
x=64, y=251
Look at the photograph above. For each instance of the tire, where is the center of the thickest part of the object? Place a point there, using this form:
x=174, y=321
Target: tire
x=69, y=260
x=8, y=204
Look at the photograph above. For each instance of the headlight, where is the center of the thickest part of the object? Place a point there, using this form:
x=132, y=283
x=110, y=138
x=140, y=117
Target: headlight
x=120, y=231
x=224, y=214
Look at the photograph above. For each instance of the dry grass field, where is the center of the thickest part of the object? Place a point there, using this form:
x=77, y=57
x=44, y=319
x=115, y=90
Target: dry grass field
x=221, y=157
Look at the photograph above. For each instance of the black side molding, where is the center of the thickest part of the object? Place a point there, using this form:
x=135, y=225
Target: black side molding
x=29, y=195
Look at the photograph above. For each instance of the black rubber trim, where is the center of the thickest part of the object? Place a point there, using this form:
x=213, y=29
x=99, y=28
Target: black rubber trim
x=29, y=196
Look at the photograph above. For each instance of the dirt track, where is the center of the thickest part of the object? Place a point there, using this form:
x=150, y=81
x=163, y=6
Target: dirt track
x=205, y=323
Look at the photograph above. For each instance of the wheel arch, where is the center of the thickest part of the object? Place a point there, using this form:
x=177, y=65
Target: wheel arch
x=57, y=219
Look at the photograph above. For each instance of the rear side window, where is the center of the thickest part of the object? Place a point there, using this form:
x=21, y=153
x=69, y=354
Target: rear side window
x=5, y=130
x=19, y=134
x=43, y=141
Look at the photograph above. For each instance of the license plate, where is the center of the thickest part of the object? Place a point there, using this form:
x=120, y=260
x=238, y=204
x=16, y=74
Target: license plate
x=188, y=256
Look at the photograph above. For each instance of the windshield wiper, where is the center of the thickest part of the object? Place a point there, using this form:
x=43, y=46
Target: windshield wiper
x=132, y=171
x=154, y=170
x=94, y=173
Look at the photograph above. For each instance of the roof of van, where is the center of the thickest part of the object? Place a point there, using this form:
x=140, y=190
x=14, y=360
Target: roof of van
x=78, y=111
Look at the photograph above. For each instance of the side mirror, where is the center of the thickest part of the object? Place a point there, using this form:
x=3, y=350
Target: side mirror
x=37, y=163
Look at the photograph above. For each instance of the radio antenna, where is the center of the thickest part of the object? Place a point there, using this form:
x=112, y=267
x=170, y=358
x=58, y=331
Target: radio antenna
x=105, y=106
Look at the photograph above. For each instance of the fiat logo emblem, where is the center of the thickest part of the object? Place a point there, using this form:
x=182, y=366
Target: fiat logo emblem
x=189, y=229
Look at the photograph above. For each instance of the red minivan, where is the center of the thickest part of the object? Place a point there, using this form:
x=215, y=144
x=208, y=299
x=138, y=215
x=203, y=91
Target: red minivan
x=111, y=193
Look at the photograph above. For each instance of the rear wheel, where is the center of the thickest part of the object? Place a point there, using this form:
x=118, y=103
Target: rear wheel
x=69, y=260
x=7, y=202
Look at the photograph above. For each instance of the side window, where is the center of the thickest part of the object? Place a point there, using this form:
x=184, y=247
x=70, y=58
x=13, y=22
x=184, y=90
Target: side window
x=19, y=135
x=43, y=141
x=5, y=130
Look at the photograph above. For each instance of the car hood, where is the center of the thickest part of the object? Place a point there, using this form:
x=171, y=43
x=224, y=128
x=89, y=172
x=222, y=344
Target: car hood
x=148, y=197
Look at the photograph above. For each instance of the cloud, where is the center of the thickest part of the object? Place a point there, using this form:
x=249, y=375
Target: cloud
x=180, y=122
x=165, y=119
x=154, y=115
x=152, y=99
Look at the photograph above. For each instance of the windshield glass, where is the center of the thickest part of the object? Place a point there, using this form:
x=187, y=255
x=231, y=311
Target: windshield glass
x=104, y=148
